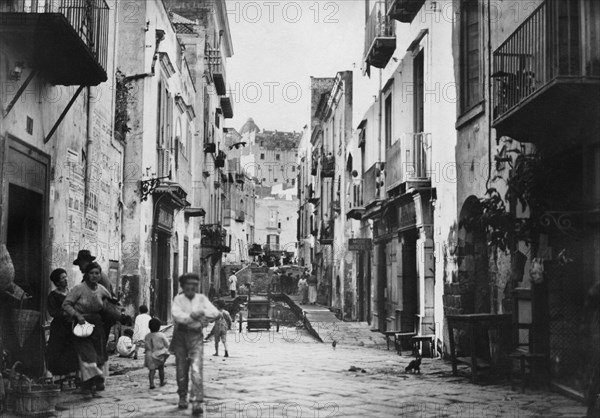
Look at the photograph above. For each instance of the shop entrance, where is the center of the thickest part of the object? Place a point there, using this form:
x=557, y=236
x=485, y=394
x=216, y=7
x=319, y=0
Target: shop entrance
x=24, y=222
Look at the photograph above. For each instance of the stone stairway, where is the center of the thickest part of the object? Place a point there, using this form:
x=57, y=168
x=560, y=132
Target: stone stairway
x=326, y=327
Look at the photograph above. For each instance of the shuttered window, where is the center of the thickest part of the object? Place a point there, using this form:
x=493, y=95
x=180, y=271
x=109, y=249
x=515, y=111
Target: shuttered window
x=470, y=59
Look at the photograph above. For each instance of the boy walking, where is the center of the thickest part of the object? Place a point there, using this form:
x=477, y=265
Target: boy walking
x=191, y=312
x=222, y=325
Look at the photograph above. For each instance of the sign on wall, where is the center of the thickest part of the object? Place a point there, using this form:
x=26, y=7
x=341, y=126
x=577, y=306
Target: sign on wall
x=360, y=244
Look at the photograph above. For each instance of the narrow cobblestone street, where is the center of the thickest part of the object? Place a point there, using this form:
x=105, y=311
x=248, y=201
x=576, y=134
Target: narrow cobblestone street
x=290, y=374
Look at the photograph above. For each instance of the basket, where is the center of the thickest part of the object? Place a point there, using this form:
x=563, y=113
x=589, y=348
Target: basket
x=25, y=320
x=35, y=400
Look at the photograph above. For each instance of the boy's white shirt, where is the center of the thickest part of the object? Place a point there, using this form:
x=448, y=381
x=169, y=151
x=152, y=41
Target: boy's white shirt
x=183, y=309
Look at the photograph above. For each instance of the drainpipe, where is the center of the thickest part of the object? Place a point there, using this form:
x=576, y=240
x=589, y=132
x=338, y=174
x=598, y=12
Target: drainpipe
x=489, y=92
x=88, y=149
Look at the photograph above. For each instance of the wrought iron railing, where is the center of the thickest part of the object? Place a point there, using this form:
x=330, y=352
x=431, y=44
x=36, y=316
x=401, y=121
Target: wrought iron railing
x=327, y=165
x=212, y=58
x=554, y=41
x=370, y=190
x=89, y=18
x=408, y=159
x=356, y=199
x=379, y=25
x=212, y=236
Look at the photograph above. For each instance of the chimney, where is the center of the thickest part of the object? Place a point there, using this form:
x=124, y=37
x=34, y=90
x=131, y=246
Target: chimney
x=367, y=10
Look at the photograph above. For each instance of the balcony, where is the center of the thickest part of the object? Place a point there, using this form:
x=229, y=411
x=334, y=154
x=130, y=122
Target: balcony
x=408, y=162
x=372, y=185
x=327, y=166
x=220, y=159
x=213, y=236
x=211, y=148
x=326, y=233
x=547, y=74
x=240, y=216
x=356, y=207
x=67, y=40
x=405, y=10
x=214, y=64
x=227, y=107
x=380, y=40
x=312, y=196
x=255, y=249
x=272, y=248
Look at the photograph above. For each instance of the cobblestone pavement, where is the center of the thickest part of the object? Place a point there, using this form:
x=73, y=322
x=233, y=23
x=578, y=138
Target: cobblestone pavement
x=290, y=374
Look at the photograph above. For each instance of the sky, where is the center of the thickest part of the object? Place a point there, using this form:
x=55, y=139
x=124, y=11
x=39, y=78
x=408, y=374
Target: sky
x=278, y=45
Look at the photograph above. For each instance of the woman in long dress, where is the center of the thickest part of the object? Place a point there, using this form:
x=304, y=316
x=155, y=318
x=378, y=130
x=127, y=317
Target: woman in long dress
x=60, y=353
x=85, y=303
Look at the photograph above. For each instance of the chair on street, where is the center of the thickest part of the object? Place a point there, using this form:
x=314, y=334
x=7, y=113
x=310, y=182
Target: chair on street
x=419, y=339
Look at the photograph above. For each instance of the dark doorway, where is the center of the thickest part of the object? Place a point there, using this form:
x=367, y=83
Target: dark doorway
x=361, y=287
x=175, y=274
x=24, y=240
x=381, y=286
x=410, y=279
x=163, y=271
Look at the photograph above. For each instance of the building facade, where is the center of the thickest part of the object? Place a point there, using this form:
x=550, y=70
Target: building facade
x=208, y=45
x=528, y=139
x=62, y=168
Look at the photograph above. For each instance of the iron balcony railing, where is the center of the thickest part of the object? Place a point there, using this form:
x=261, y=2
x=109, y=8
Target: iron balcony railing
x=379, y=27
x=356, y=195
x=372, y=184
x=326, y=232
x=327, y=165
x=408, y=159
x=555, y=41
x=214, y=63
x=212, y=58
x=270, y=247
x=89, y=18
x=212, y=236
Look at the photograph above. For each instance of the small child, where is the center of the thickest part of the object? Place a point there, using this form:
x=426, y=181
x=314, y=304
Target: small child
x=125, y=345
x=222, y=325
x=157, y=352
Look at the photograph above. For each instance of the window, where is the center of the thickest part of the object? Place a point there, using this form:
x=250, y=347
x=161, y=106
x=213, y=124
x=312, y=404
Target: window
x=293, y=169
x=470, y=55
x=277, y=157
x=293, y=182
x=419, y=100
x=388, y=121
x=262, y=156
x=275, y=181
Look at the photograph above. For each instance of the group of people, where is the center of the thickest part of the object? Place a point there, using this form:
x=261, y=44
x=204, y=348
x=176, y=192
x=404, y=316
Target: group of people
x=85, y=352
x=307, y=288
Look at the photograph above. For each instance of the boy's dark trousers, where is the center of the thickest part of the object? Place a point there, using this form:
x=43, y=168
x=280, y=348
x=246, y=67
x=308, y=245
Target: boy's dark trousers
x=188, y=348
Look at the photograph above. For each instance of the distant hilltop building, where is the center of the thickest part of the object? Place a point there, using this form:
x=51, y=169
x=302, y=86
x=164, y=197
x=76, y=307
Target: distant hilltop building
x=270, y=156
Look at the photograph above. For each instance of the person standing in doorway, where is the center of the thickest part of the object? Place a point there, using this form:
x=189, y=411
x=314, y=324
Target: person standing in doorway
x=312, y=289
x=191, y=313
x=232, y=284
x=303, y=290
